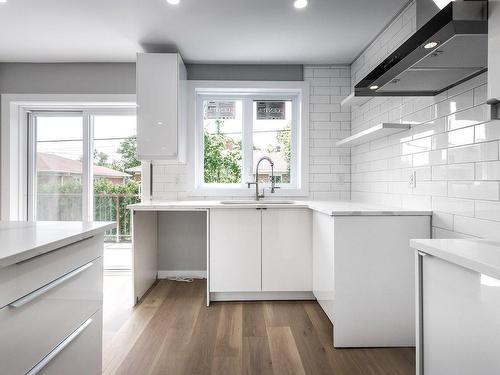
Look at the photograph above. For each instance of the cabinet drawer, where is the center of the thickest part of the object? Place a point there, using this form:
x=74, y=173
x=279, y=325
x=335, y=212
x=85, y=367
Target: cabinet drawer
x=22, y=278
x=32, y=328
x=79, y=354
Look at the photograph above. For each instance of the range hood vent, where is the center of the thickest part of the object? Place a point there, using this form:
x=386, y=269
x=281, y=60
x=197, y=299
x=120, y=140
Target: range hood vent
x=449, y=48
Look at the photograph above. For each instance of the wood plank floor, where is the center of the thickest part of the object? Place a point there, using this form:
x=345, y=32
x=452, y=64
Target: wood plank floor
x=172, y=332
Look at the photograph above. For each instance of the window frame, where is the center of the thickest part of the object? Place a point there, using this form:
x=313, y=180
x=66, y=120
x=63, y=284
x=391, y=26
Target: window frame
x=87, y=114
x=248, y=92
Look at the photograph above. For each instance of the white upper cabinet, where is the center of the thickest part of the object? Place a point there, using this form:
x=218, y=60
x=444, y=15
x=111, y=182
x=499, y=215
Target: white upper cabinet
x=494, y=51
x=161, y=111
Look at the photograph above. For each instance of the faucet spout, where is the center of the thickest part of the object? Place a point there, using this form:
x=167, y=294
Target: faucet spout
x=256, y=183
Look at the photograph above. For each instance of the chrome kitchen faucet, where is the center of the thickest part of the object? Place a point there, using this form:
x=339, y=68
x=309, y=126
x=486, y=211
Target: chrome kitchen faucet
x=256, y=183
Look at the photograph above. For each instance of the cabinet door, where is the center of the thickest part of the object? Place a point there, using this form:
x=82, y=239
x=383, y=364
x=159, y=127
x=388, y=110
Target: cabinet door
x=235, y=258
x=286, y=250
x=323, y=279
x=494, y=49
x=157, y=111
x=461, y=324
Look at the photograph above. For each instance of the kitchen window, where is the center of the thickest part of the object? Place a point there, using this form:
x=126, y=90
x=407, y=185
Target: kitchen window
x=235, y=129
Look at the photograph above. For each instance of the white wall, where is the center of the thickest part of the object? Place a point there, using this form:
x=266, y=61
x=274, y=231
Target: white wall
x=329, y=167
x=452, y=146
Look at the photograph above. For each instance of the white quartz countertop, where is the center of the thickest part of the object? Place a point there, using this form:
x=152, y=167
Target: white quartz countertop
x=22, y=240
x=479, y=255
x=332, y=208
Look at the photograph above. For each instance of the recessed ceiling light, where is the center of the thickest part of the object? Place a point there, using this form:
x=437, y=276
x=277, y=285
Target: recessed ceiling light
x=373, y=87
x=299, y=4
x=173, y=2
x=3, y=1
x=430, y=45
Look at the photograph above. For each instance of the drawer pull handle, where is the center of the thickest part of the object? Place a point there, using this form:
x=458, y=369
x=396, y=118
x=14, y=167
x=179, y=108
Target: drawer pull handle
x=44, y=289
x=58, y=349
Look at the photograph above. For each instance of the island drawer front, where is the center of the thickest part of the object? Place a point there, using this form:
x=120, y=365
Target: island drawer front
x=22, y=278
x=33, y=326
x=83, y=353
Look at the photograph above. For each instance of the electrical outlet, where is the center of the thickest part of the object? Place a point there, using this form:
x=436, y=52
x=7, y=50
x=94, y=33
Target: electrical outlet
x=412, y=179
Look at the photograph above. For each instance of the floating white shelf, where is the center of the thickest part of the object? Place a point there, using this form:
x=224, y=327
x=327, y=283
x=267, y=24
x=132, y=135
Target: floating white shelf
x=375, y=132
x=355, y=101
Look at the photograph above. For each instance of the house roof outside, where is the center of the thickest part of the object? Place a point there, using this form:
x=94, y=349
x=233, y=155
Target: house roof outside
x=50, y=163
x=278, y=158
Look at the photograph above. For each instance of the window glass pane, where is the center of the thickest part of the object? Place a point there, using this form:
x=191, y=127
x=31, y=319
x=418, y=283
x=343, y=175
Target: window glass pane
x=59, y=155
x=117, y=172
x=272, y=121
x=222, y=139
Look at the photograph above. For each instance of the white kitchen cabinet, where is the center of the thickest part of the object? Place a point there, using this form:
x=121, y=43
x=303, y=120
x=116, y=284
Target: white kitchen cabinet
x=323, y=269
x=161, y=107
x=494, y=51
x=235, y=250
x=51, y=297
x=80, y=353
x=364, y=276
x=286, y=250
x=458, y=304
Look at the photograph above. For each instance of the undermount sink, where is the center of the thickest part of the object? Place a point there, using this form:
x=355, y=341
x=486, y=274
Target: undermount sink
x=257, y=202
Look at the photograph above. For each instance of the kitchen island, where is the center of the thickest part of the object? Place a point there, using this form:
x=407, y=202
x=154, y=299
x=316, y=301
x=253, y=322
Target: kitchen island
x=352, y=257
x=51, y=297
x=458, y=304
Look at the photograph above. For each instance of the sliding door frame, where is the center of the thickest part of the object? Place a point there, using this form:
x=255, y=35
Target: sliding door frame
x=87, y=115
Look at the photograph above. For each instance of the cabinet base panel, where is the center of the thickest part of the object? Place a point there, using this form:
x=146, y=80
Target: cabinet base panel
x=261, y=296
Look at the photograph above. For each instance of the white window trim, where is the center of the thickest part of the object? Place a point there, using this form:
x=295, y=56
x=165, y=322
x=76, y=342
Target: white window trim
x=294, y=88
x=14, y=139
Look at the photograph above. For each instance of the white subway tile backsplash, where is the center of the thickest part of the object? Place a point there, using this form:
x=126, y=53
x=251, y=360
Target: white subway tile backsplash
x=430, y=158
x=453, y=138
x=477, y=227
x=442, y=220
x=489, y=170
x=488, y=132
x=469, y=117
x=454, y=104
x=429, y=128
x=453, y=172
x=487, y=190
x=477, y=152
x=462, y=207
x=487, y=210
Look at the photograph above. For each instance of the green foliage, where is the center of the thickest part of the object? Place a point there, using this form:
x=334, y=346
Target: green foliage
x=103, y=186
x=283, y=137
x=68, y=187
x=222, y=157
x=101, y=159
x=128, y=151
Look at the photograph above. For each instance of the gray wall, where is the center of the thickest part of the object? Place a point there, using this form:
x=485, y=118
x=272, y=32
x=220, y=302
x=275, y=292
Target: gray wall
x=233, y=72
x=65, y=78
x=182, y=241
x=119, y=78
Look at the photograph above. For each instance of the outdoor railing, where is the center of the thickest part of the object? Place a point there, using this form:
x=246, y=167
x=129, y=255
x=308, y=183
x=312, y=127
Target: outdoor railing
x=113, y=207
x=107, y=207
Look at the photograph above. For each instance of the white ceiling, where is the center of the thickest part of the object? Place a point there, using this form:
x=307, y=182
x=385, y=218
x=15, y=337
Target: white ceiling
x=203, y=31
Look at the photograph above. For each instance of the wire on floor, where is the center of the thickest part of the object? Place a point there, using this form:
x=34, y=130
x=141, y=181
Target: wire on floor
x=184, y=279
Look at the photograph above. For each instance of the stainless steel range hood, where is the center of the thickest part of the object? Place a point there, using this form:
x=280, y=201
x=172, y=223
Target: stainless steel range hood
x=420, y=68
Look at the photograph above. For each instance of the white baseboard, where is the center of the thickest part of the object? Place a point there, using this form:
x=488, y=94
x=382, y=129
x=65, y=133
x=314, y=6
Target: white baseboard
x=261, y=296
x=199, y=274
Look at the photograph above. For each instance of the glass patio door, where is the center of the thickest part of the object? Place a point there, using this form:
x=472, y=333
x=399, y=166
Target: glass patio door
x=58, y=178
x=82, y=166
